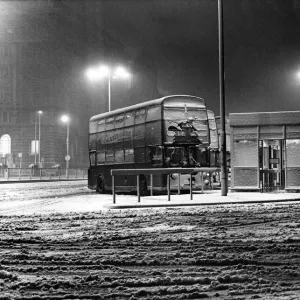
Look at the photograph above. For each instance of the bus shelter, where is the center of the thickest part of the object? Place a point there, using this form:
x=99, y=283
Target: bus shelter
x=265, y=151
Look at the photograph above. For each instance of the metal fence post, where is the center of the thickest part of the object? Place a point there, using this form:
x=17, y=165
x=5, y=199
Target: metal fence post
x=19, y=173
x=168, y=183
x=138, y=187
x=191, y=186
x=151, y=184
x=113, y=189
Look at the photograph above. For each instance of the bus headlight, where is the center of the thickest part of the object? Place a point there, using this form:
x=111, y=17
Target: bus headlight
x=174, y=176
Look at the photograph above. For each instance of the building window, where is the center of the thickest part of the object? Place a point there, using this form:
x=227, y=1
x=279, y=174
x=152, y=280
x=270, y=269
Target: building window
x=5, y=144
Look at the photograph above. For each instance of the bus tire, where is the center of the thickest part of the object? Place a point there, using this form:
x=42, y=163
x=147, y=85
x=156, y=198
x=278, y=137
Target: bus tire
x=143, y=186
x=100, y=189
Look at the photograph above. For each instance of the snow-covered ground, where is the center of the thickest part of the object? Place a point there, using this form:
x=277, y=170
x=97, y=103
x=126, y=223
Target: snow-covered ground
x=57, y=241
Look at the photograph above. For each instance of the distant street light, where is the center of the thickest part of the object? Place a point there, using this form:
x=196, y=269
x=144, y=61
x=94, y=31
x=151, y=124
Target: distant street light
x=99, y=72
x=39, y=147
x=40, y=114
x=66, y=119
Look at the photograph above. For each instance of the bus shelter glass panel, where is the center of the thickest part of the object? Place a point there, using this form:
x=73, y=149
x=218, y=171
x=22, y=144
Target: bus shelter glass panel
x=272, y=164
x=293, y=163
x=245, y=153
x=245, y=164
x=293, y=153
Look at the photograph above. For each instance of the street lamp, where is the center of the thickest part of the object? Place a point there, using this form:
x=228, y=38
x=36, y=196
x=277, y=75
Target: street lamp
x=98, y=72
x=39, y=146
x=40, y=114
x=224, y=176
x=66, y=119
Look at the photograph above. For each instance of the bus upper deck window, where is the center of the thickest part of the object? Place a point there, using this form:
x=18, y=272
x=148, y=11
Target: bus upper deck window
x=140, y=116
x=110, y=123
x=153, y=113
x=101, y=125
x=129, y=119
x=119, y=123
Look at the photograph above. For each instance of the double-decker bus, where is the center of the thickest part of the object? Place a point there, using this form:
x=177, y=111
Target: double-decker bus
x=171, y=131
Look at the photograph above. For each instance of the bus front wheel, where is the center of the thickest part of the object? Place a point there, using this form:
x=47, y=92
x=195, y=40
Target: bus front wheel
x=100, y=185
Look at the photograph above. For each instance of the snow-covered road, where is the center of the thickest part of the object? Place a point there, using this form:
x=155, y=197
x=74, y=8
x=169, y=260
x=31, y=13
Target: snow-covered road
x=54, y=249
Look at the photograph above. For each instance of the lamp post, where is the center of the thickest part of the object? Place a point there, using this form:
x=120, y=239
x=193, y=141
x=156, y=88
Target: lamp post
x=35, y=139
x=98, y=72
x=40, y=114
x=66, y=119
x=35, y=132
x=224, y=181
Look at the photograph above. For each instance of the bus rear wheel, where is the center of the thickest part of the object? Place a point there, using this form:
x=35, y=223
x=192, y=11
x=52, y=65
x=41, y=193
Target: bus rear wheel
x=143, y=186
x=100, y=189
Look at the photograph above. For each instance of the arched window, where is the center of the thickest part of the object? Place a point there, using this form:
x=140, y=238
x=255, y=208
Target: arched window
x=5, y=144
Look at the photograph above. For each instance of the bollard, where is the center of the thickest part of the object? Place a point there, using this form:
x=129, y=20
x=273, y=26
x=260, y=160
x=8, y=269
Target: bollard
x=113, y=189
x=151, y=184
x=138, y=187
x=191, y=187
x=168, y=179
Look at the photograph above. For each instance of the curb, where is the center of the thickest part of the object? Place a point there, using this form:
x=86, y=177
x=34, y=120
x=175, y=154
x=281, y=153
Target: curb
x=116, y=206
x=40, y=180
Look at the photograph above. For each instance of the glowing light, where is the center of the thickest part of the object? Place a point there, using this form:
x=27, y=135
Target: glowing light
x=65, y=118
x=120, y=72
x=98, y=72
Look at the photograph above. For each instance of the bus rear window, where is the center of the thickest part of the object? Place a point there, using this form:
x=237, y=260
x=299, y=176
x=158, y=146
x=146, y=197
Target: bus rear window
x=174, y=113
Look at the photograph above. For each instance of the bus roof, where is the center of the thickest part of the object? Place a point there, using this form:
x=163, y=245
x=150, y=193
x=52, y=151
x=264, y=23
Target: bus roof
x=141, y=105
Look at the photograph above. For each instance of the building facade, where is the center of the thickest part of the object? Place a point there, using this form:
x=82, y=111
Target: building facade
x=45, y=47
x=265, y=151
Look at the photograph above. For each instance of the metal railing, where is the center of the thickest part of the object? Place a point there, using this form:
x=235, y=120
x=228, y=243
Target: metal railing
x=167, y=171
x=7, y=174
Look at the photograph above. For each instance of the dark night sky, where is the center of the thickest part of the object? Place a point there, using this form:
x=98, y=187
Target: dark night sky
x=262, y=48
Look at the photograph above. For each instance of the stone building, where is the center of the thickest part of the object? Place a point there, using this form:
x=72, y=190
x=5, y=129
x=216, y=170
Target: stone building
x=45, y=46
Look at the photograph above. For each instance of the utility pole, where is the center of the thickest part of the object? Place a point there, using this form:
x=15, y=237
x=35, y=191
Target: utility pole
x=224, y=182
